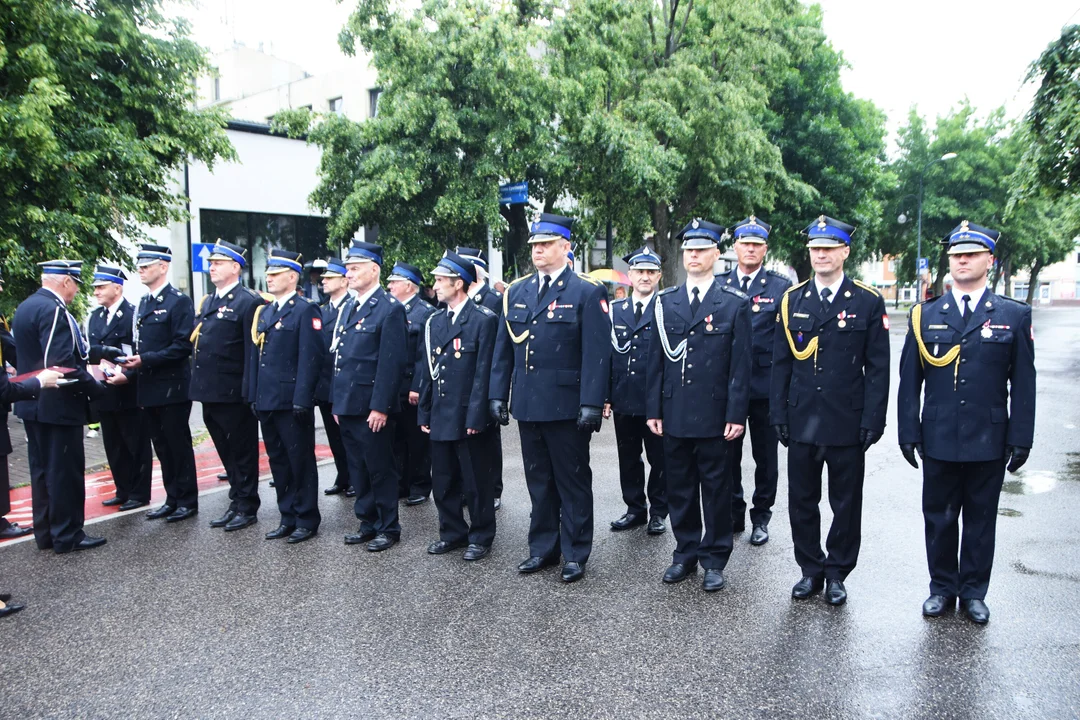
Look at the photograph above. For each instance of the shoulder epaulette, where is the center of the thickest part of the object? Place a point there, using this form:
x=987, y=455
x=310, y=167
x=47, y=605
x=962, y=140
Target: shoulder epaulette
x=796, y=287
x=1012, y=300
x=724, y=274
x=248, y=291
x=665, y=291
x=267, y=297
x=308, y=300
x=586, y=278
x=869, y=288
x=484, y=309
x=780, y=275
x=735, y=291
x=515, y=282
x=175, y=291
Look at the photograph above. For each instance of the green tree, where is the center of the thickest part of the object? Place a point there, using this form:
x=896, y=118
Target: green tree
x=95, y=116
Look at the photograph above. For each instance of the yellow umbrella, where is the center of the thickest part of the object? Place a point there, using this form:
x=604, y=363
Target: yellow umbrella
x=609, y=275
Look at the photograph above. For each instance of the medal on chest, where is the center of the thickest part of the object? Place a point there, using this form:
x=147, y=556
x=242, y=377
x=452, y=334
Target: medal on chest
x=457, y=347
x=551, y=309
x=986, y=331
x=708, y=323
x=841, y=319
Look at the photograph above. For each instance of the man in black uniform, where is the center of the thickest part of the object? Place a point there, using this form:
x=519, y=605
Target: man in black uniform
x=483, y=294
x=312, y=287
x=698, y=392
x=455, y=368
x=123, y=433
x=631, y=334
x=764, y=288
x=829, y=392
x=162, y=364
x=336, y=289
x=220, y=378
x=370, y=347
x=554, y=349
x=12, y=392
x=974, y=352
x=7, y=356
x=412, y=448
x=47, y=336
x=289, y=355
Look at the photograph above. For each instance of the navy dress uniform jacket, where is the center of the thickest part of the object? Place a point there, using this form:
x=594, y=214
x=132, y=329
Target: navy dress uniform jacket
x=223, y=346
x=710, y=387
x=630, y=341
x=489, y=298
x=843, y=386
x=983, y=401
x=765, y=292
x=454, y=386
x=102, y=334
x=286, y=365
x=417, y=311
x=552, y=354
x=163, y=341
x=41, y=322
x=7, y=355
x=330, y=314
x=370, y=356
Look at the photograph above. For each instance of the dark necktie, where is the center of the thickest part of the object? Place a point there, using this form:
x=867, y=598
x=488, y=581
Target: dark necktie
x=450, y=315
x=545, y=287
x=746, y=284
x=695, y=303
x=965, y=312
x=825, y=294
x=637, y=312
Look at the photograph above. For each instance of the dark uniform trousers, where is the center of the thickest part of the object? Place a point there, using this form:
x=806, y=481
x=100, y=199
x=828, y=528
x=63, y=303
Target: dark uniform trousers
x=763, y=445
x=165, y=322
x=290, y=447
x=631, y=433
x=697, y=487
x=235, y=432
x=57, y=486
x=127, y=448
x=337, y=446
x=559, y=478
x=373, y=473
x=466, y=467
x=412, y=450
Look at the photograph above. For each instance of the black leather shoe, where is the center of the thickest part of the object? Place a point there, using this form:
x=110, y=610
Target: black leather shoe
x=334, y=490
x=714, y=580
x=10, y=609
x=359, y=538
x=572, y=572
x=223, y=520
x=498, y=503
x=350, y=493
x=476, y=552
x=678, y=572
x=240, y=521
x=628, y=521
x=158, y=513
x=182, y=513
x=382, y=542
x=806, y=587
x=13, y=531
x=938, y=605
x=835, y=593
x=535, y=564
x=656, y=526
x=441, y=547
x=299, y=535
x=133, y=505
x=760, y=535
x=279, y=532
x=113, y=502
x=87, y=543
x=223, y=477
x=416, y=500
x=976, y=610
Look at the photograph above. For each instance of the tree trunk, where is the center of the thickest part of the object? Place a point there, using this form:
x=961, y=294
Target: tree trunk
x=803, y=268
x=1006, y=276
x=515, y=245
x=1033, y=282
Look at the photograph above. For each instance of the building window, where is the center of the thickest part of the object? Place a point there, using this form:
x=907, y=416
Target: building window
x=305, y=107
x=336, y=105
x=373, y=101
x=892, y=265
x=217, y=89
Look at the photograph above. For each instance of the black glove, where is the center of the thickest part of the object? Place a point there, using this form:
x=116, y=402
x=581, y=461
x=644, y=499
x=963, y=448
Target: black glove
x=499, y=412
x=111, y=353
x=590, y=418
x=868, y=438
x=301, y=413
x=1016, y=457
x=782, y=434
x=909, y=450
x=254, y=411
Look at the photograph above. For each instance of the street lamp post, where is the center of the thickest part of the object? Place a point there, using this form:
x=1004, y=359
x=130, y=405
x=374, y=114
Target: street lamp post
x=902, y=219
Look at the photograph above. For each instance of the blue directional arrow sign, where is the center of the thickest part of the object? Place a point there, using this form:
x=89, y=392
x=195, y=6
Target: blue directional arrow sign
x=199, y=254
x=514, y=193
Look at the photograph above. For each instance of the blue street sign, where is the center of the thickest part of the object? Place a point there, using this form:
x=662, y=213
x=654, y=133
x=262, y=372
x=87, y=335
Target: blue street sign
x=514, y=193
x=199, y=254
x=924, y=265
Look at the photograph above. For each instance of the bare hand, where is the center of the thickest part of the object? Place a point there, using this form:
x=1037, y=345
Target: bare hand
x=376, y=420
x=471, y=431
x=48, y=378
x=132, y=363
x=414, y=398
x=607, y=411
x=656, y=425
x=425, y=428
x=733, y=431
x=116, y=379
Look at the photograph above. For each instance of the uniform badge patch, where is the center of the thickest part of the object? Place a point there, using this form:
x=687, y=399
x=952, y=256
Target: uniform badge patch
x=316, y=323
x=604, y=305
x=885, y=321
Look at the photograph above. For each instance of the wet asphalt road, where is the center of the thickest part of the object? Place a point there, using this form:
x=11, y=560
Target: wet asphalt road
x=185, y=621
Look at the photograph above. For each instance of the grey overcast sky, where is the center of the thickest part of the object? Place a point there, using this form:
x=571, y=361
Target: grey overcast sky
x=928, y=53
